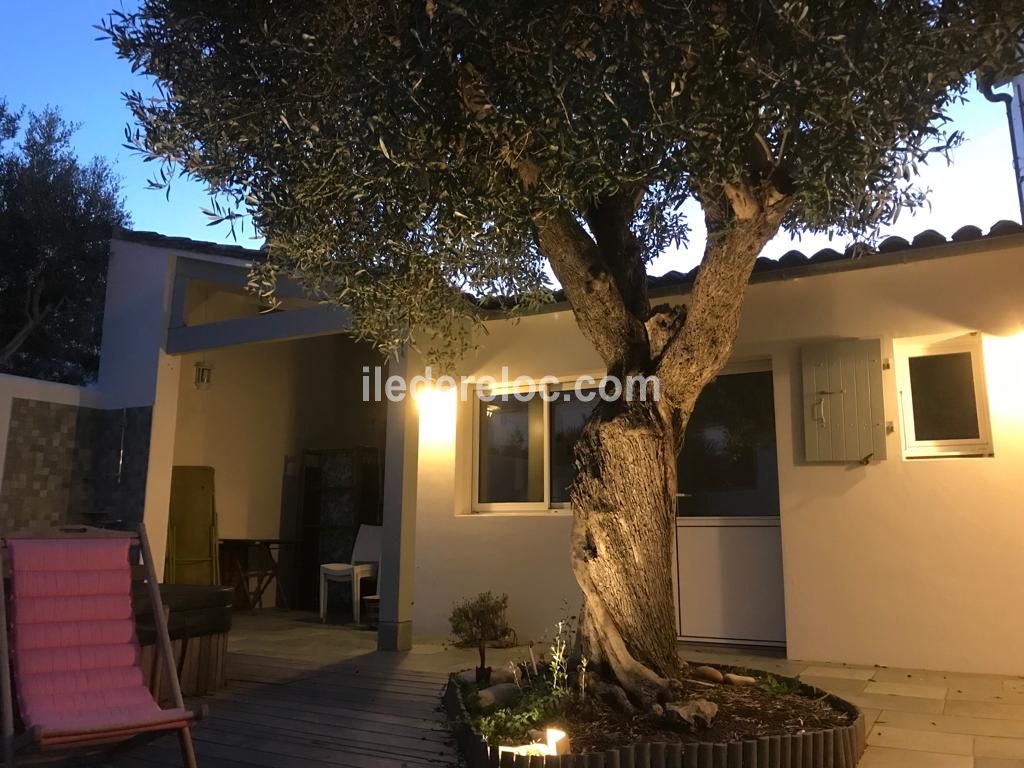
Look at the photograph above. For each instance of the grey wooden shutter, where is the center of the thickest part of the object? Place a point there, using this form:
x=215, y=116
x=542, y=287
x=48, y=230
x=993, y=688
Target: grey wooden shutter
x=842, y=399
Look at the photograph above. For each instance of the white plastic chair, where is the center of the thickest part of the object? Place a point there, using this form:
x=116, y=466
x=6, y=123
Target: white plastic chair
x=364, y=565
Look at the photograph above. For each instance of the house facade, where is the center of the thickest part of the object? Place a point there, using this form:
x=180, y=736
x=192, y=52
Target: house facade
x=825, y=521
x=849, y=489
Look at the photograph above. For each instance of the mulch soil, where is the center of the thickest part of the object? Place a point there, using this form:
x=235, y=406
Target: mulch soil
x=744, y=712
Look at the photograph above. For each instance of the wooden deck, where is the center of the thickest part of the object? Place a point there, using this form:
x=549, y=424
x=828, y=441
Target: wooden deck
x=368, y=712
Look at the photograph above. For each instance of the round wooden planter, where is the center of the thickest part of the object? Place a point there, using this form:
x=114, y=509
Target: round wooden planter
x=833, y=748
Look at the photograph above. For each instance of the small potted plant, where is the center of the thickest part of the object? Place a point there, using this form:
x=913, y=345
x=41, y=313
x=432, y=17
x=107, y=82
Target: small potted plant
x=479, y=622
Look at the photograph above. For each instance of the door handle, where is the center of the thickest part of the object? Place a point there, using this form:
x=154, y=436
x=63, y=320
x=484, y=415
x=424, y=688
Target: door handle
x=818, y=411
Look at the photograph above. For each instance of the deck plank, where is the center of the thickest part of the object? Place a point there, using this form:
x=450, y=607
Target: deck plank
x=367, y=712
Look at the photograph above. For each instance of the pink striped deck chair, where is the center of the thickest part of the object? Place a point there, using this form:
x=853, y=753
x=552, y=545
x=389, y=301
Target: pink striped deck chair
x=72, y=646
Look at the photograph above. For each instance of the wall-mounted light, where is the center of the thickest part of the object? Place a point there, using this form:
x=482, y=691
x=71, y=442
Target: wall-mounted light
x=202, y=374
x=437, y=406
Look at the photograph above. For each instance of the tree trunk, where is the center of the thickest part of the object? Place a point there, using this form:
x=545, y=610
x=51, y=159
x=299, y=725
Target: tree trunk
x=624, y=494
x=16, y=342
x=34, y=316
x=623, y=498
x=622, y=540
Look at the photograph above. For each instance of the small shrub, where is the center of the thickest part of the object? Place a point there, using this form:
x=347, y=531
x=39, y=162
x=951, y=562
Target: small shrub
x=547, y=693
x=781, y=686
x=512, y=725
x=480, y=622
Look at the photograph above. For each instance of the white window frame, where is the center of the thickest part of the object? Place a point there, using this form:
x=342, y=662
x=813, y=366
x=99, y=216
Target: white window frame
x=903, y=350
x=545, y=505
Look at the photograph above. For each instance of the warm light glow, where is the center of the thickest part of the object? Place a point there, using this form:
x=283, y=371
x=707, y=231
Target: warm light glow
x=527, y=749
x=1004, y=375
x=557, y=744
x=437, y=406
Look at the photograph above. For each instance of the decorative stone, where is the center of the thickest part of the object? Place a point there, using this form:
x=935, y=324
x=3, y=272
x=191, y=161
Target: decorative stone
x=498, y=696
x=693, y=711
x=708, y=674
x=732, y=679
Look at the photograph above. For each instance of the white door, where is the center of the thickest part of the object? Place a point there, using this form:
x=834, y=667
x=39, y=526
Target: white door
x=728, y=545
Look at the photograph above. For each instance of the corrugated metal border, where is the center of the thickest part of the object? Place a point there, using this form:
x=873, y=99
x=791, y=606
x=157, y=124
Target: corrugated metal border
x=833, y=748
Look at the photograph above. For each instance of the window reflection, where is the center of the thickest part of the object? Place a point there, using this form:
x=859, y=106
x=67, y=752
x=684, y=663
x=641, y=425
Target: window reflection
x=568, y=414
x=728, y=465
x=942, y=388
x=511, y=460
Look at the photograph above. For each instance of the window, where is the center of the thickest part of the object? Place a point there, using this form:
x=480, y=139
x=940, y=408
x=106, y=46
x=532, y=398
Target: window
x=524, y=447
x=728, y=466
x=942, y=397
x=511, y=452
x=567, y=415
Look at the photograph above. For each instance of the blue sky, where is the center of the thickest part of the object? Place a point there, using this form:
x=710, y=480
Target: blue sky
x=50, y=56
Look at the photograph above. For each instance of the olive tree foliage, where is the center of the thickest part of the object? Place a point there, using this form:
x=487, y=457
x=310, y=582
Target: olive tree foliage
x=381, y=145
x=409, y=160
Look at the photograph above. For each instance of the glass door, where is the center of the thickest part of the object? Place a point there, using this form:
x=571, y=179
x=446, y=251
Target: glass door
x=728, y=542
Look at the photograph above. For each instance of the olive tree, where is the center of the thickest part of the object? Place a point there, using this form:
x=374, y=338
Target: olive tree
x=407, y=159
x=56, y=216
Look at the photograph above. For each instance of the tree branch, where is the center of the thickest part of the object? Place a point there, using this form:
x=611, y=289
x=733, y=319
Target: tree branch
x=611, y=322
x=34, y=316
x=622, y=251
x=602, y=314
x=605, y=281
x=742, y=221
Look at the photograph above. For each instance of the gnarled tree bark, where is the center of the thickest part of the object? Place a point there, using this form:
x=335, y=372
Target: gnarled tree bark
x=624, y=495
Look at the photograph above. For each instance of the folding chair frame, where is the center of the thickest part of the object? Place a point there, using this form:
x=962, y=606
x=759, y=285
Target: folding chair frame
x=13, y=743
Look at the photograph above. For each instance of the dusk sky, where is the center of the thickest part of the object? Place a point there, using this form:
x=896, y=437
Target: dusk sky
x=50, y=56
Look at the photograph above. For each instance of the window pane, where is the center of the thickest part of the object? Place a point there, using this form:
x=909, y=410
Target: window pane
x=942, y=392
x=511, y=450
x=728, y=465
x=568, y=414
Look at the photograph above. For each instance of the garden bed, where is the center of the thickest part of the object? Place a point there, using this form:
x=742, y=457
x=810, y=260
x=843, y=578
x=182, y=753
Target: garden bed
x=776, y=722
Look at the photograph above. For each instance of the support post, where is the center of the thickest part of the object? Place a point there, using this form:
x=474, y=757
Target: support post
x=398, y=557
x=157, y=505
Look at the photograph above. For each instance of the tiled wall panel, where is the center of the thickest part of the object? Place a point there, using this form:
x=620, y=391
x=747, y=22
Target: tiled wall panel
x=67, y=463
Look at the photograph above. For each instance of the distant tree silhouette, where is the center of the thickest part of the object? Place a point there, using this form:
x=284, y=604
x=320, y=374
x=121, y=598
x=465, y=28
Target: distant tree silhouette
x=56, y=217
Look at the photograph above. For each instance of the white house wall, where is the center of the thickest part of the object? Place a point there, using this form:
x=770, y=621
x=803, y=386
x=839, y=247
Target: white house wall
x=135, y=371
x=903, y=563
x=266, y=404
x=139, y=279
